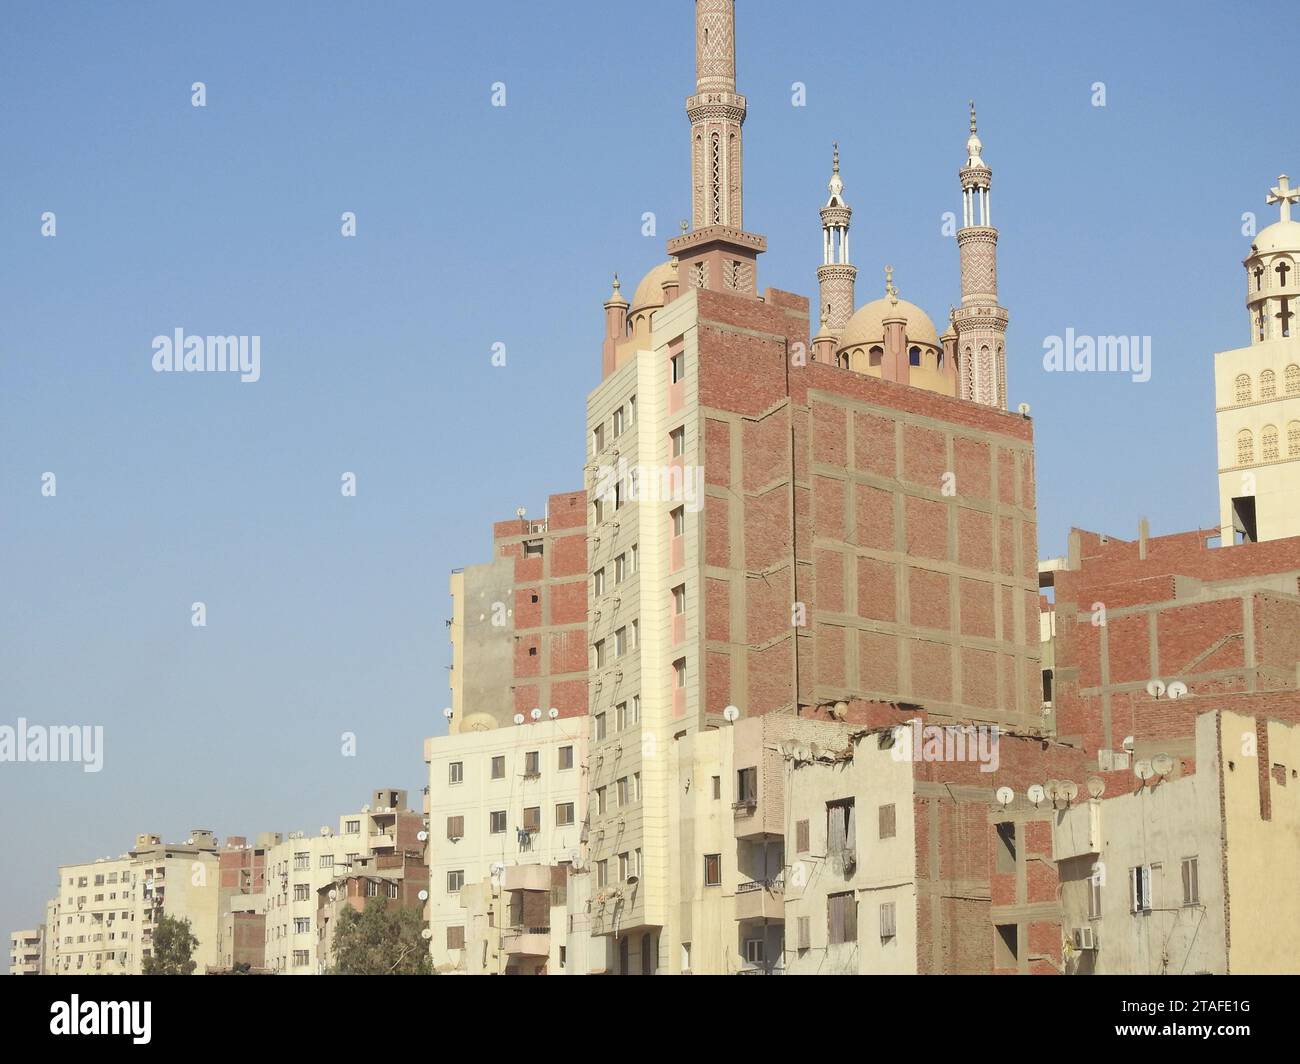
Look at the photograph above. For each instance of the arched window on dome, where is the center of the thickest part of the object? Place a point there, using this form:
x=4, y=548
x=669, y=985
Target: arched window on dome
x=1293, y=440
x=1243, y=388
x=1245, y=447
x=1293, y=379
x=914, y=356
x=1271, y=453
x=1267, y=384
x=875, y=356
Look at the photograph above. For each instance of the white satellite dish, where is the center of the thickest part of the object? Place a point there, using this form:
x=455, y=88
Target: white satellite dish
x=1069, y=790
x=731, y=713
x=325, y=832
x=1128, y=743
x=422, y=836
x=521, y=512
x=1024, y=409
x=536, y=714
x=1096, y=786
x=1005, y=796
x=552, y=713
x=519, y=718
x=1177, y=689
x=1035, y=793
x=334, y=895
x=1053, y=789
x=1163, y=764
x=497, y=869
x=1143, y=770
x=447, y=712
x=426, y=934
x=423, y=895
x=1156, y=688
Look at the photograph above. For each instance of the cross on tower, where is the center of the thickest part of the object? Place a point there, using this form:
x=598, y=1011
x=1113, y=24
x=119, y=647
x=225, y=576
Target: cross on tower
x=1284, y=195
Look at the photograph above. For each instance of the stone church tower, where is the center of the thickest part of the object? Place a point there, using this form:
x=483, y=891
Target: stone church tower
x=980, y=322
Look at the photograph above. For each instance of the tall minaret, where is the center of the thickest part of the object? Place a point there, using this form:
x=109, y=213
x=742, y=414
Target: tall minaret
x=836, y=274
x=718, y=254
x=980, y=322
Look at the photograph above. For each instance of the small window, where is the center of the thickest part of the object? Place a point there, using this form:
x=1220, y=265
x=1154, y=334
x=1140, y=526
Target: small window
x=620, y=716
x=618, y=422
x=801, y=844
x=598, y=582
x=600, y=727
x=679, y=520
x=754, y=950
x=533, y=763
x=455, y=774
x=712, y=869
x=600, y=653
x=566, y=757
x=679, y=673
x=1094, y=892
x=455, y=880
x=888, y=824
x=456, y=937
x=563, y=814
x=678, y=366
x=497, y=822
x=620, y=568
x=602, y=873
x=717, y=788
x=888, y=921
x=1191, y=882
x=631, y=411
x=914, y=356
x=621, y=791
x=632, y=557
x=678, y=440
x=602, y=800
x=804, y=938
x=533, y=548
x=533, y=819
x=747, y=785
x=499, y=767
x=841, y=918
x=620, y=642
x=455, y=827
x=1139, y=879
x=598, y=439
x=679, y=599
x=532, y=652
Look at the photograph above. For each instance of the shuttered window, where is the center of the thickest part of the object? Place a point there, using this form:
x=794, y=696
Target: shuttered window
x=841, y=918
x=887, y=822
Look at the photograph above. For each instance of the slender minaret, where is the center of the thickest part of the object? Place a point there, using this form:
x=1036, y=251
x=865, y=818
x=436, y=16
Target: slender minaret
x=980, y=322
x=717, y=254
x=836, y=274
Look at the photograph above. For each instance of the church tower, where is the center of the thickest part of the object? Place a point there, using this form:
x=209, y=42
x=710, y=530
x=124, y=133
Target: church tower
x=717, y=253
x=980, y=322
x=836, y=275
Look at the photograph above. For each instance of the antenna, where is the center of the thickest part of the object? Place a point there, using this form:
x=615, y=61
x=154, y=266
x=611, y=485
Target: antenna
x=553, y=713
x=1005, y=796
x=536, y=714
x=1177, y=689
x=1156, y=688
x=519, y=718
x=1035, y=793
x=730, y=714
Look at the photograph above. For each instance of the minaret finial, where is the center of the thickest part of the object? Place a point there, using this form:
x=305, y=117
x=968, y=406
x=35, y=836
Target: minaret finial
x=835, y=157
x=972, y=117
x=891, y=293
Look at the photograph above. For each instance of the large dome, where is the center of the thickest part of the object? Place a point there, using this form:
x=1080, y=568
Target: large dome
x=867, y=326
x=650, y=292
x=1280, y=236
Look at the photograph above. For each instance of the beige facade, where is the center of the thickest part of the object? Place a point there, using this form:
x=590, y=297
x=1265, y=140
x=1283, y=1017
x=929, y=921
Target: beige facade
x=506, y=815
x=27, y=951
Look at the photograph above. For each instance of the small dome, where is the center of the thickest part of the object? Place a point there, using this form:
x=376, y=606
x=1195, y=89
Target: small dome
x=650, y=292
x=867, y=326
x=1280, y=236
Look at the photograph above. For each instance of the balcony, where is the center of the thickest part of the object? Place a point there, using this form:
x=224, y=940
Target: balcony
x=526, y=877
x=761, y=900
x=526, y=941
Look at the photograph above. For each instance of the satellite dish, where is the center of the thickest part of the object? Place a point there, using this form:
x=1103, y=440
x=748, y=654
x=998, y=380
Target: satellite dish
x=334, y=895
x=552, y=713
x=1005, y=796
x=1069, y=790
x=632, y=881
x=422, y=836
x=1053, y=789
x=1024, y=409
x=519, y=718
x=497, y=869
x=1177, y=689
x=1096, y=786
x=731, y=713
x=1128, y=743
x=423, y=895
x=521, y=512
x=1035, y=793
x=1163, y=764
x=426, y=934
x=325, y=832
x=447, y=712
x=1156, y=688
x=1143, y=770
x=536, y=714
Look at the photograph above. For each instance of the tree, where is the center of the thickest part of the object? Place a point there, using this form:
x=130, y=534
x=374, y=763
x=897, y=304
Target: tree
x=173, y=948
x=380, y=941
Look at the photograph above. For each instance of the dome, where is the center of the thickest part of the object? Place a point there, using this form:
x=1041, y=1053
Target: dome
x=650, y=292
x=1280, y=236
x=867, y=326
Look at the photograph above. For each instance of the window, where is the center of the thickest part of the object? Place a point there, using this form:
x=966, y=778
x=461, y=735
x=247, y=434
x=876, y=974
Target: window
x=600, y=727
x=1139, y=879
x=1293, y=439
x=914, y=356
x=1292, y=379
x=1269, y=435
x=841, y=918
x=624, y=866
x=302, y=925
x=598, y=582
x=1006, y=852
x=635, y=635
x=678, y=366
x=888, y=921
x=620, y=791
x=1242, y=385
x=602, y=873
x=301, y=861
x=677, y=438
x=888, y=822
x=840, y=833
x=620, y=716
x=566, y=757
x=354, y=827
x=455, y=827
x=804, y=934
x=533, y=763
x=717, y=787
x=620, y=568
x=533, y=548
x=679, y=673
x=456, y=937
x=497, y=821
x=631, y=557
x=1094, y=893
x=598, y=439
x=754, y=950
x=747, y=786
x=631, y=410
x=300, y=893
x=679, y=520
x=636, y=786
x=455, y=880
x=636, y=709
x=679, y=599
x=455, y=772
x=600, y=653
x=620, y=642
x=1245, y=447
x=601, y=796
x=712, y=869
x=301, y=958
x=618, y=422
x=563, y=814
x=1267, y=384
x=1191, y=882
x=327, y=860
x=598, y=511
x=499, y=767
x=533, y=819
x=801, y=844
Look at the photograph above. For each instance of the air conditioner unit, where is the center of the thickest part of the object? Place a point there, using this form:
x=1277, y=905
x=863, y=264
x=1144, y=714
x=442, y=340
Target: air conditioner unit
x=1085, y=938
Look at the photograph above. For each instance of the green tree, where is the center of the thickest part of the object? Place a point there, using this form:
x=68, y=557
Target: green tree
x=381, y=940
x=173, y=948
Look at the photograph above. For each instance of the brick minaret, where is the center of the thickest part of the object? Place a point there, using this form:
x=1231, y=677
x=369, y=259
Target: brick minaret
x=980, y=322
x=836, y=275
x=718, y=254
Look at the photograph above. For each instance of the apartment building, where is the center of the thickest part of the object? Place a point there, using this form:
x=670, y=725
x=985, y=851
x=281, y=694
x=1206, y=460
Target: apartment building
x=1193, y=867
x=398, y=880
x=298, y=867
x=501, y=799
x=27, y=951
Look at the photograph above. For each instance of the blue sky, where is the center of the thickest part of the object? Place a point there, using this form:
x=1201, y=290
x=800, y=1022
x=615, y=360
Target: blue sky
x=481, y=225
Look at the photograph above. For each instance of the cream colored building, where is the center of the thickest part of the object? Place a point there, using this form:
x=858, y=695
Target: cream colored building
x=1257, y=391
x=27, y=951
x=506, y=821
x=107, y=909
x=1192, y=874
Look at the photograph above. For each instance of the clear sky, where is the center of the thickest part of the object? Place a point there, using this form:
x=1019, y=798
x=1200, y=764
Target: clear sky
x=476, y=226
